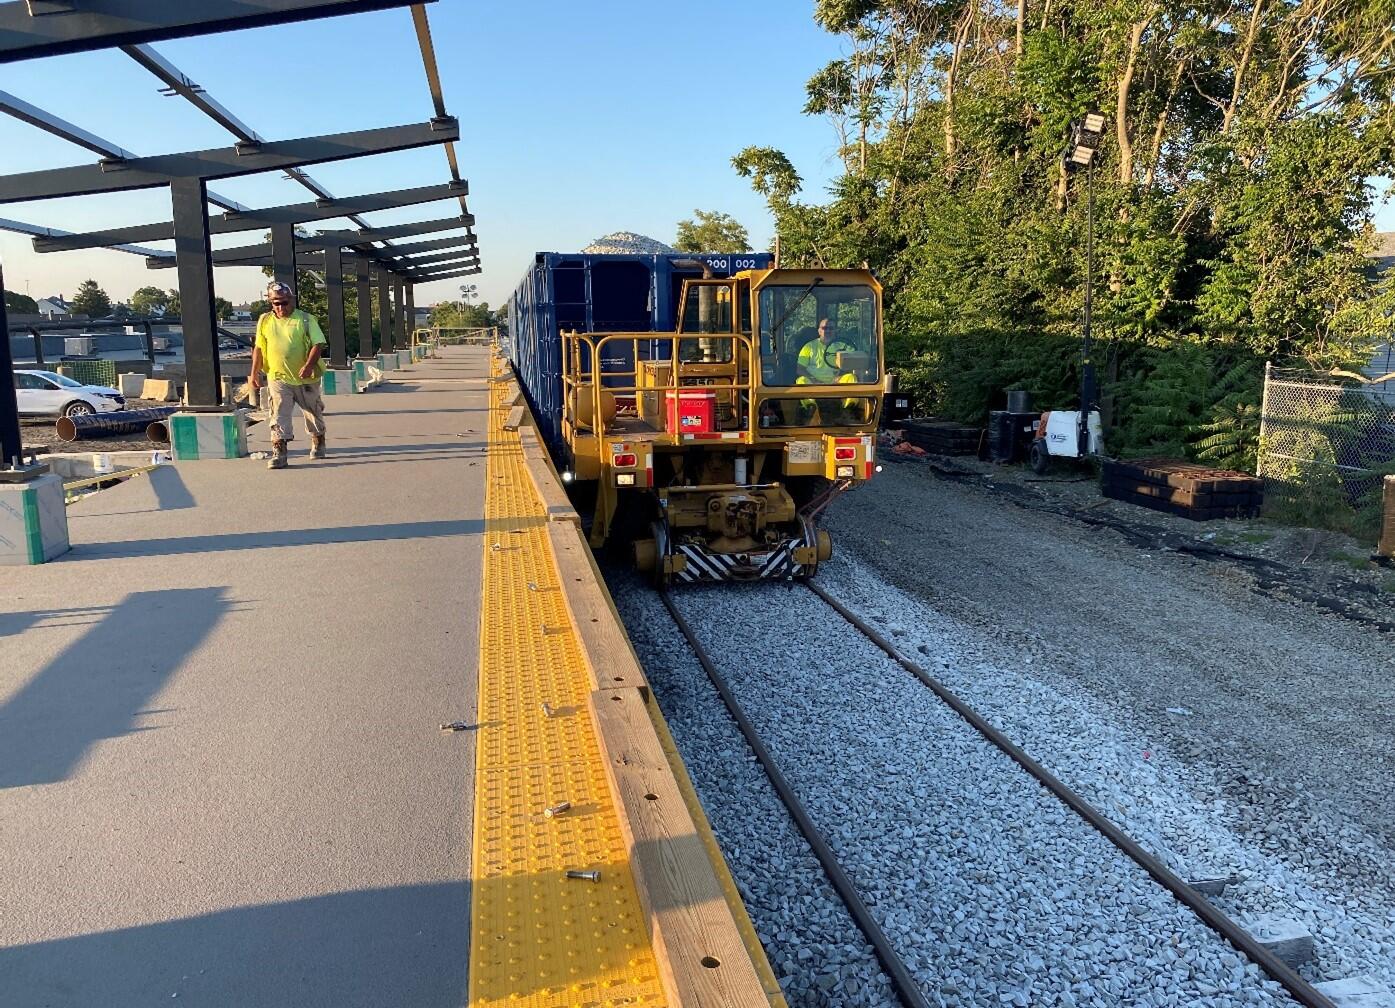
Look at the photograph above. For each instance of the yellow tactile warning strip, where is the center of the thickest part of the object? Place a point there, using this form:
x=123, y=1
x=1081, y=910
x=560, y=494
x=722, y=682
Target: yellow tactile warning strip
x=537, y=937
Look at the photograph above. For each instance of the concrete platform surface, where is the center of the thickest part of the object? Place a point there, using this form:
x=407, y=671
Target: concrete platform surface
x=222, y=775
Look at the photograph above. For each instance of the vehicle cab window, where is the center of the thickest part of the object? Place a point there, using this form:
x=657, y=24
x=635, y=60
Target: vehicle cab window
x=707, y=310
x=819, y=335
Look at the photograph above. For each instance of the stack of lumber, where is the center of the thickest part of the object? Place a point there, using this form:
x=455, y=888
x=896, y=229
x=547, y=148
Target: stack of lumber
x=1183, y=488
x=941, y=437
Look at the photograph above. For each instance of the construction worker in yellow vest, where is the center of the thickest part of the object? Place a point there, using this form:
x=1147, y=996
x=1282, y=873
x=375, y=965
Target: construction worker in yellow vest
x=288, y=348
x=818, y=362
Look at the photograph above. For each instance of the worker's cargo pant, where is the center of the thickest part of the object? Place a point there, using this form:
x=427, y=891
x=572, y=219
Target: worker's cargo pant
x=307, y=397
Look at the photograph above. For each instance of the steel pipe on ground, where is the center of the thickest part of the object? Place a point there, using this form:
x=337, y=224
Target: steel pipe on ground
x=96, y=425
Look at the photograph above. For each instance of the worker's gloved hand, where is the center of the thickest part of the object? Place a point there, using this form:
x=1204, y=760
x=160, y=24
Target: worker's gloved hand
x=255, y=380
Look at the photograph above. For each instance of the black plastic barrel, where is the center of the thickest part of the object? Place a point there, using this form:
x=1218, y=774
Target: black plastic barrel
x=1019, y=401
x=1000, y=436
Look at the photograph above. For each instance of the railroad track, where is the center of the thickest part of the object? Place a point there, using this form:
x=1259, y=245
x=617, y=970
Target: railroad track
x=908, y=990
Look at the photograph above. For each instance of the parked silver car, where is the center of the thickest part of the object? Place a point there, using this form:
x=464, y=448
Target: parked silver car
x=44, y=393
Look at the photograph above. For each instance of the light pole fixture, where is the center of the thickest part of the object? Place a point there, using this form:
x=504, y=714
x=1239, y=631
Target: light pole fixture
x=1086, y=135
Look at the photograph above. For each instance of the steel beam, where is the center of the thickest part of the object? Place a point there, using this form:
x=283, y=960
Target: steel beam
x=448, y=275
x=365, y=307
x=384, y=312
x=400, y=230
x=411, y=314
x=283, y=256
x=334, y=290
x=399, y=252
x=251, y=220
x=35, y=116
x=399, y=301
x=428, y=260
x=11, y=447
x=203, y=372
x=49, y=123
x=459, y=263
x=262, y=253
x=222, y=162
x=30, y=29
x=44, y=234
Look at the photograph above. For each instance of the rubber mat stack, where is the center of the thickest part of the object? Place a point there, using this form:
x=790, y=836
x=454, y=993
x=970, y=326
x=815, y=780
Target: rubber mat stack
x=1183, y=488
x=941, y=437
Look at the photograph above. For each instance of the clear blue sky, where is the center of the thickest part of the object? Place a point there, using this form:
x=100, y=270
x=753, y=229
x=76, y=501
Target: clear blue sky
x=577, y=120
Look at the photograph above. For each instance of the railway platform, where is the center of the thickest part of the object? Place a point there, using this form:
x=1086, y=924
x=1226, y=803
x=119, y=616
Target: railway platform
x=292, y=738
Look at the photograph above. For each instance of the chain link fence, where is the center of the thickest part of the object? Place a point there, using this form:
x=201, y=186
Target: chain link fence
x=1324, y=450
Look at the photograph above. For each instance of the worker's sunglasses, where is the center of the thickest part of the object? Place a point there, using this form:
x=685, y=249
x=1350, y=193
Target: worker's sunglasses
x=279, y=302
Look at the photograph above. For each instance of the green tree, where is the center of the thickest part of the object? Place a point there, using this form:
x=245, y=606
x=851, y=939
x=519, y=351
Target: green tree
x=222, y=308
x=150, y=301
x=1233, y=210
x=20, y=304
x=711, y=231
x=463, y=315
x=172, y=307
x=91, y=300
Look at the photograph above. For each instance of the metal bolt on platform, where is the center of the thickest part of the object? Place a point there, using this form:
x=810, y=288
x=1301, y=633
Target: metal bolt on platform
x=589, y=876
x=556, y=810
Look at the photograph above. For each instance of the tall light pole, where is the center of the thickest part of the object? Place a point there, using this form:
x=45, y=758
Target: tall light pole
x=1086, y=134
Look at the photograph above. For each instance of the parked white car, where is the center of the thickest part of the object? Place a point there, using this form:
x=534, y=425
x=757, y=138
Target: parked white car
x=44, y=393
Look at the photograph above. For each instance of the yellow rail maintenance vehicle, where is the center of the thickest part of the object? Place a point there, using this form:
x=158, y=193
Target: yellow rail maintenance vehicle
x=715, y=447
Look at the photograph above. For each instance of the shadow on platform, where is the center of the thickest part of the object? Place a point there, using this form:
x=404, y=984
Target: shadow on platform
x=98, y=685
x=405, y=945
x=272, y=540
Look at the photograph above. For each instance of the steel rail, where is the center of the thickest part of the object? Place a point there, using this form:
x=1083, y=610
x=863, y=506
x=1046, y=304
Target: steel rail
x=1280, y=972
x=906, y=988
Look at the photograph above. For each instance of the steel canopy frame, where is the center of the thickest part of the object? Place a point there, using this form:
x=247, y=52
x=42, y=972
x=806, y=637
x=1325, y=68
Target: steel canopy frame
x=177, y=82
x=220, y=162
x=251, y=220
x=49, y=123
x=261, y=253
x=37, y=28
x=30, y=29
x=472, y=271
x=186, y=175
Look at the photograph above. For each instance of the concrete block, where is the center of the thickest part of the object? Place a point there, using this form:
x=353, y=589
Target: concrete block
x=1283, y=936
x=197, y=436
x=387, y=362
x=1357, y=992
x=33, y=521
x=339, y=381
x=160, y=390
x=132, y=385
x=404, y=359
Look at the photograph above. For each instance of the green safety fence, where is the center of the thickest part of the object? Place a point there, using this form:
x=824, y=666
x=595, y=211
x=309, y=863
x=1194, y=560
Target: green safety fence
x=90, y=372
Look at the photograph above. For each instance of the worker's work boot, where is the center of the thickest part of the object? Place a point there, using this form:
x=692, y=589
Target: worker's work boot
x=317, y=446
x=278, y=455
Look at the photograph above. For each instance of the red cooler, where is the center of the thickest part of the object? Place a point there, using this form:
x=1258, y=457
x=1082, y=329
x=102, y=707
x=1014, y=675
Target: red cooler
x=692, y=412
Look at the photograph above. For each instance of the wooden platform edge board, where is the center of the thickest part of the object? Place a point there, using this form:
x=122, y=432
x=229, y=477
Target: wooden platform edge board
x=514, y=419
x=598, y=625
x=545, y=478
x=702, y=958
x=714, y=855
